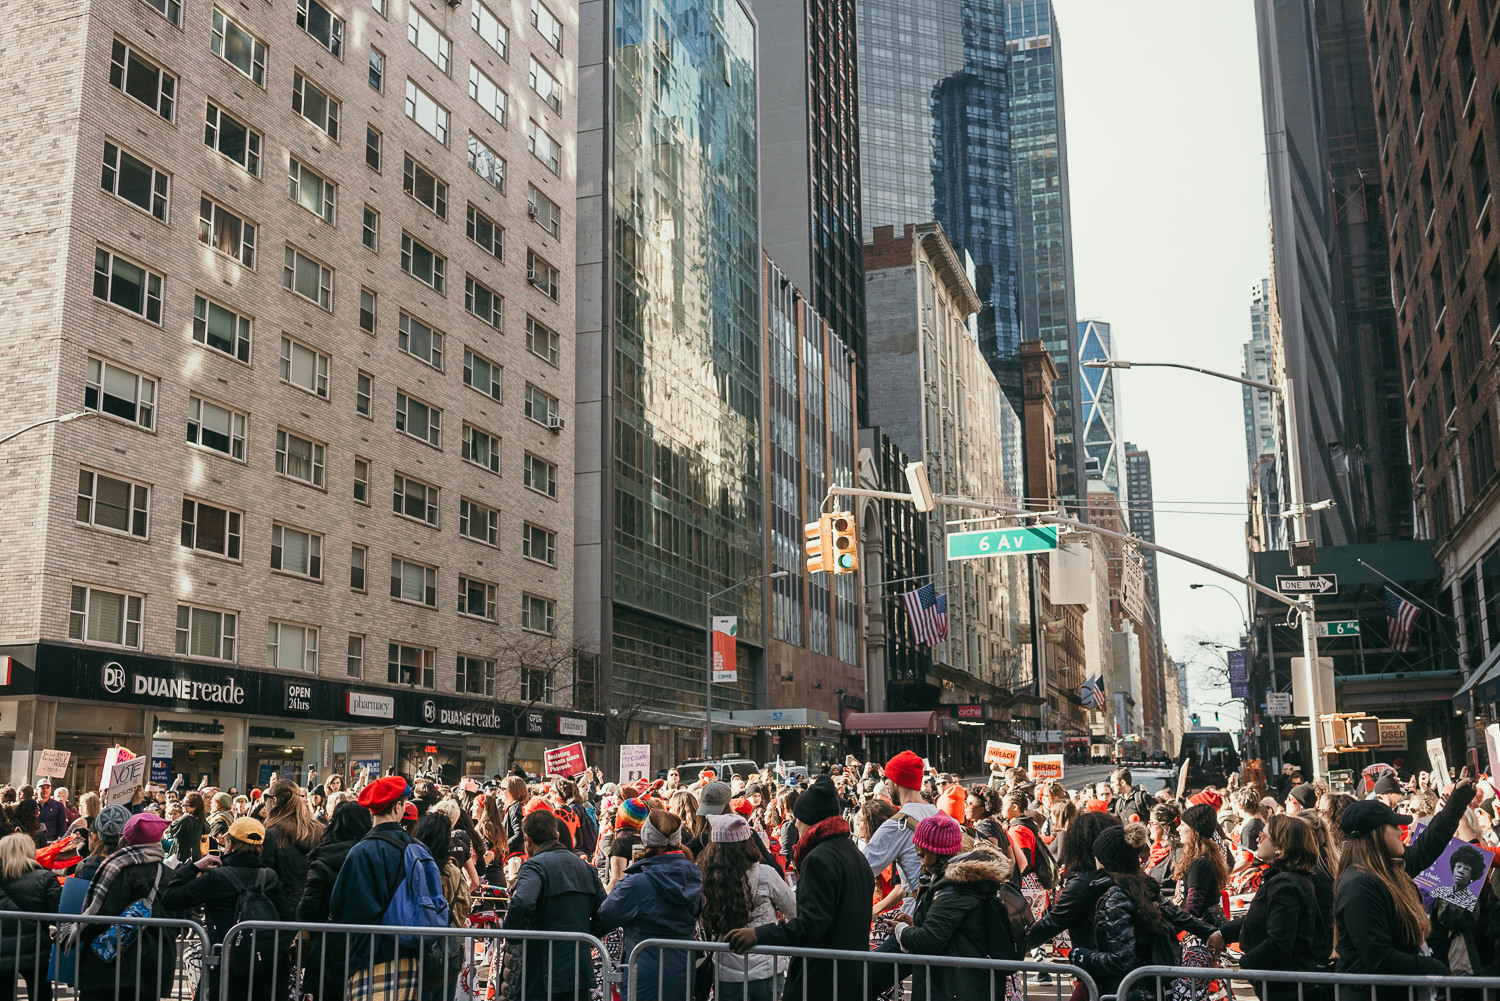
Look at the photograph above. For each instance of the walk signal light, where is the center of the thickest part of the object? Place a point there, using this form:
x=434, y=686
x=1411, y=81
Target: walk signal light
x=818, y=546
x=845, y=541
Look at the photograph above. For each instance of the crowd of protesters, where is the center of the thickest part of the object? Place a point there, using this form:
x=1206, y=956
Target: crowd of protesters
x=891, y=857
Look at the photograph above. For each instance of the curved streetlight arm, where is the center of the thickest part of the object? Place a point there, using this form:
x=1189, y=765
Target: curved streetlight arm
x=76, y=415
x=1121, y=363
x=1244, y=619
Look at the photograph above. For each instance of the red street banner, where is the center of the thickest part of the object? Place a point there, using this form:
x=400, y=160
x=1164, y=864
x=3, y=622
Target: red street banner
x=566, y=761
x=725, y=628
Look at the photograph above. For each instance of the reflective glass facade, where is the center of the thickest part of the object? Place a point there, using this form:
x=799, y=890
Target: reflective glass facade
x=935, y=125
x=684, y=346
x=1101, y=413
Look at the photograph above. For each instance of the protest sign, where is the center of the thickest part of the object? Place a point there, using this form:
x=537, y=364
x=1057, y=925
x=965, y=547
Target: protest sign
x=1045, y=766
x=53, y=764
x=123, y=779
x=1439, y=761
x=1456, y=877
x=1001, y=755
x=1492, y=741
x=566, y=761
x=635, y=762
x=112, y=757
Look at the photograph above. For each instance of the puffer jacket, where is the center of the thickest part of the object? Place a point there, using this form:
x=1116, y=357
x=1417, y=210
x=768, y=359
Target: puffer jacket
x=769, y=894
x=951, y=920
x=1121, y=946
x=37, y=891
x=660, y=896
x=1073, y=911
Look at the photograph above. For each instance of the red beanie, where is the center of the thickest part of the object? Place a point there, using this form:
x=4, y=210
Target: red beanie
x=1208, y=796
x=742, y=806
x=905, y=769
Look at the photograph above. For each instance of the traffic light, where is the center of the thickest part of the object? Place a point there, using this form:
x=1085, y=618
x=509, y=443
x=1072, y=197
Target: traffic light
x=818, y=546
x=845, y=541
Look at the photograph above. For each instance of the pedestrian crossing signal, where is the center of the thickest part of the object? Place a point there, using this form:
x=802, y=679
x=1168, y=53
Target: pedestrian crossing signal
x=845, y=542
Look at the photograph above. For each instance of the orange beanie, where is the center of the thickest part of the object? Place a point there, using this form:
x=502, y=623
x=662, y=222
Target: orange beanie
x=951, y=801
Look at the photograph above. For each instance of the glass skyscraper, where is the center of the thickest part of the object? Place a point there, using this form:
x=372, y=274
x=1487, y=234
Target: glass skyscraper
x=1101, y=407
x=1039, y=148
x=935, y=144
x=669, y=437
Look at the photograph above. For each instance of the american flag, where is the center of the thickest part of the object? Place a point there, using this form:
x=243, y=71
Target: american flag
x=928, y=611
x=1400, y=615
x=1092, y=692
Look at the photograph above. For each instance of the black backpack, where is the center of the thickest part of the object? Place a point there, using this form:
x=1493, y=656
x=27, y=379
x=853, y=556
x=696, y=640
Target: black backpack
x=1007, y=920
x=256, y=949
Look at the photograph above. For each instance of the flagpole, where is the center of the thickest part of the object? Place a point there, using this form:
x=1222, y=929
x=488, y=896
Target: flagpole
x=1414, y=599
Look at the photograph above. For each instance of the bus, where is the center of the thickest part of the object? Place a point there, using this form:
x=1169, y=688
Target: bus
x=1210, y=756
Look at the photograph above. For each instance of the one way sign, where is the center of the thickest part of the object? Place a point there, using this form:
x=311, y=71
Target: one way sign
x=1325, y=583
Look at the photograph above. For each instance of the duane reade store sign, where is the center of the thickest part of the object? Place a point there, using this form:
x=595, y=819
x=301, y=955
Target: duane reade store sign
x=116, y=679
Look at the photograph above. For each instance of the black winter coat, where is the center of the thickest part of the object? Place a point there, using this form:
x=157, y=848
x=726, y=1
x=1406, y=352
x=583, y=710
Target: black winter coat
x=142, y=970
x=187, y=834
x=1280, y=930
x=215, y=890
x=556, y=890
x=325, y=956
x=1136, y=802
x=37, y=891
x=1073, y=911
x=1371, y=937
x=291, y=864
x=515, y=841
x=952, y=919
x=1120, y=945
x=835, y=888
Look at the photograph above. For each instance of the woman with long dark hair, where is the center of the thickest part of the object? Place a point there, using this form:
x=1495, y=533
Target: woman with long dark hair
x=1201, y=873
x=739, y=891
x=187, y=831
x=324, y=959
x=491, y=827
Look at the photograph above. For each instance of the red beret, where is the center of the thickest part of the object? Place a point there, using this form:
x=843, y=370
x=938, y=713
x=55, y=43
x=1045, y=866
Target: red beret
x=742, y=806
x=410, y=813
x=378, y=796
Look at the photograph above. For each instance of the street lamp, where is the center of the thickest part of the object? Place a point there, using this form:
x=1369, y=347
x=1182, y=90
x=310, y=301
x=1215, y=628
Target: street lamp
x=1297, y=512
x=708, y=634
x=76, y=415
x=1244, y=619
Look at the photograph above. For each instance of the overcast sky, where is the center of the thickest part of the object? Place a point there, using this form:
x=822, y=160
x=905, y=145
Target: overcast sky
x=1166, y=161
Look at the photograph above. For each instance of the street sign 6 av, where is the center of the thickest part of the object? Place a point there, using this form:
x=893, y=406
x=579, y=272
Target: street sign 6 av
x=1323, y=583
x=1001, y=542
x=1349, y=627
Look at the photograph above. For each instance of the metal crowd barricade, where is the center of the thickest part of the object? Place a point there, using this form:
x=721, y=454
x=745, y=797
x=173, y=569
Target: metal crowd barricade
x=273, y=960
x=1153, y=983
x=162, y=958
x=831, y=974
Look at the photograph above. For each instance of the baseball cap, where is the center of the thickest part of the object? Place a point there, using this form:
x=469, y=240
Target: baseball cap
x=714, y=799
x=1368, y=815
x=248, y=830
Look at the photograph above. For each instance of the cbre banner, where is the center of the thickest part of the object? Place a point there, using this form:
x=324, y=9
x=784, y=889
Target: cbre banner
x=1239, y=677
x=726, y=627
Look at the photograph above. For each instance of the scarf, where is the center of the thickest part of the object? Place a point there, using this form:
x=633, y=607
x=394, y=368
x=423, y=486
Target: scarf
x=115, y=864
x=833, y=827
x=1159, y=854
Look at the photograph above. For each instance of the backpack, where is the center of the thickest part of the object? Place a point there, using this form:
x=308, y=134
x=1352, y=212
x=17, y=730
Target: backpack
x=419, y=901
x=1007, y=920
x=253, y=950
x=586, y=837
x=1043, y=865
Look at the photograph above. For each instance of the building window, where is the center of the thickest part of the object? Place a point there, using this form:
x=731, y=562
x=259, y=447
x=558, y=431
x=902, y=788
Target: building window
x=372, y=147
x=541, y=340
x=304, y=367
x=367, y=310
x=371, y=229
x=476, y=598
x=482, y=374
x=422, y=109
x=547, y=24
x=355, y=664
x=169, y=9
x=425, y=187
x=537, y=543
x=541, y=275
x=416, y=500
x=483, y=301
x=481, y=448
x=377, y=70
x=310, y=189
x=205, y=632
x=486, y=232
x=120, y=393
x=322, y=24
x=486, y=163
x=540, y=475
x=418, y=419
x=1482, y=455
x=536, y=686
x=299, y=458
x=422, y=262
x=361, y=480
x=545, y=85
x=314, y=104
x=133, y=74
x=232, y=138
x=413, y=582
x=112, y=503
x=221, y=328
x=239, y=48
x=99, y=616
x=308, y=278
x=543, y=211
x=476, y=676
x=296, y=552
x=490, y=28
x=487, y=94
x=540, y=406
x=207, y=528
x=409, y=665
x=543, y=147
x=431, y=42
x=419, y=340
x=128, y=285
x=477, y=522
x=136, y=181
x=359, y=557
x=216, y=427
x=226, y=231
x=292, y=647
x=364, y=392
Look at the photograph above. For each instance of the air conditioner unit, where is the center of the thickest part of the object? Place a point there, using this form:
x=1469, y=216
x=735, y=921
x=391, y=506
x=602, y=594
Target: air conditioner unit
x=554, y=422
x=531, y=211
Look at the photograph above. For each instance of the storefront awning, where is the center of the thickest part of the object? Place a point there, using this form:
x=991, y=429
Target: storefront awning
x=925, y=721
x=1487, y=671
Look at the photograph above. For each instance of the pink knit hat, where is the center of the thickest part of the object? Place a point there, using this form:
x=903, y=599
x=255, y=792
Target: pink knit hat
x=939, y=834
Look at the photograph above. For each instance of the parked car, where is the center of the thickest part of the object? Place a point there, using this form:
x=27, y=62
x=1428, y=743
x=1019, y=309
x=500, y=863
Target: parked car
x=725, y=767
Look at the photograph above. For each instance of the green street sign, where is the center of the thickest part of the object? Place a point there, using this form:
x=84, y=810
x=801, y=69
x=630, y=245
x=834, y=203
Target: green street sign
x=1001, y=542
x=1347, y=628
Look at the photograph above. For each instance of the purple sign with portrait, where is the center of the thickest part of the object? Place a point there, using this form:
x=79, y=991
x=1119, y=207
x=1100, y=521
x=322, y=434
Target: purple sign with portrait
x=1456, y=877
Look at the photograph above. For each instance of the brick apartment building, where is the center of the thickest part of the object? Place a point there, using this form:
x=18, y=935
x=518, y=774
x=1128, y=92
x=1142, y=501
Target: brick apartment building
x=310, y=265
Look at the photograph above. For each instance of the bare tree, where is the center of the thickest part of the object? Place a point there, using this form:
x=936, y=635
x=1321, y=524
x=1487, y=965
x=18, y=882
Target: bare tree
x=538, y=669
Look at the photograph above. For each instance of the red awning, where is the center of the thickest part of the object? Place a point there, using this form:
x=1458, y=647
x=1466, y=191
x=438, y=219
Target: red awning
x=895, y=723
